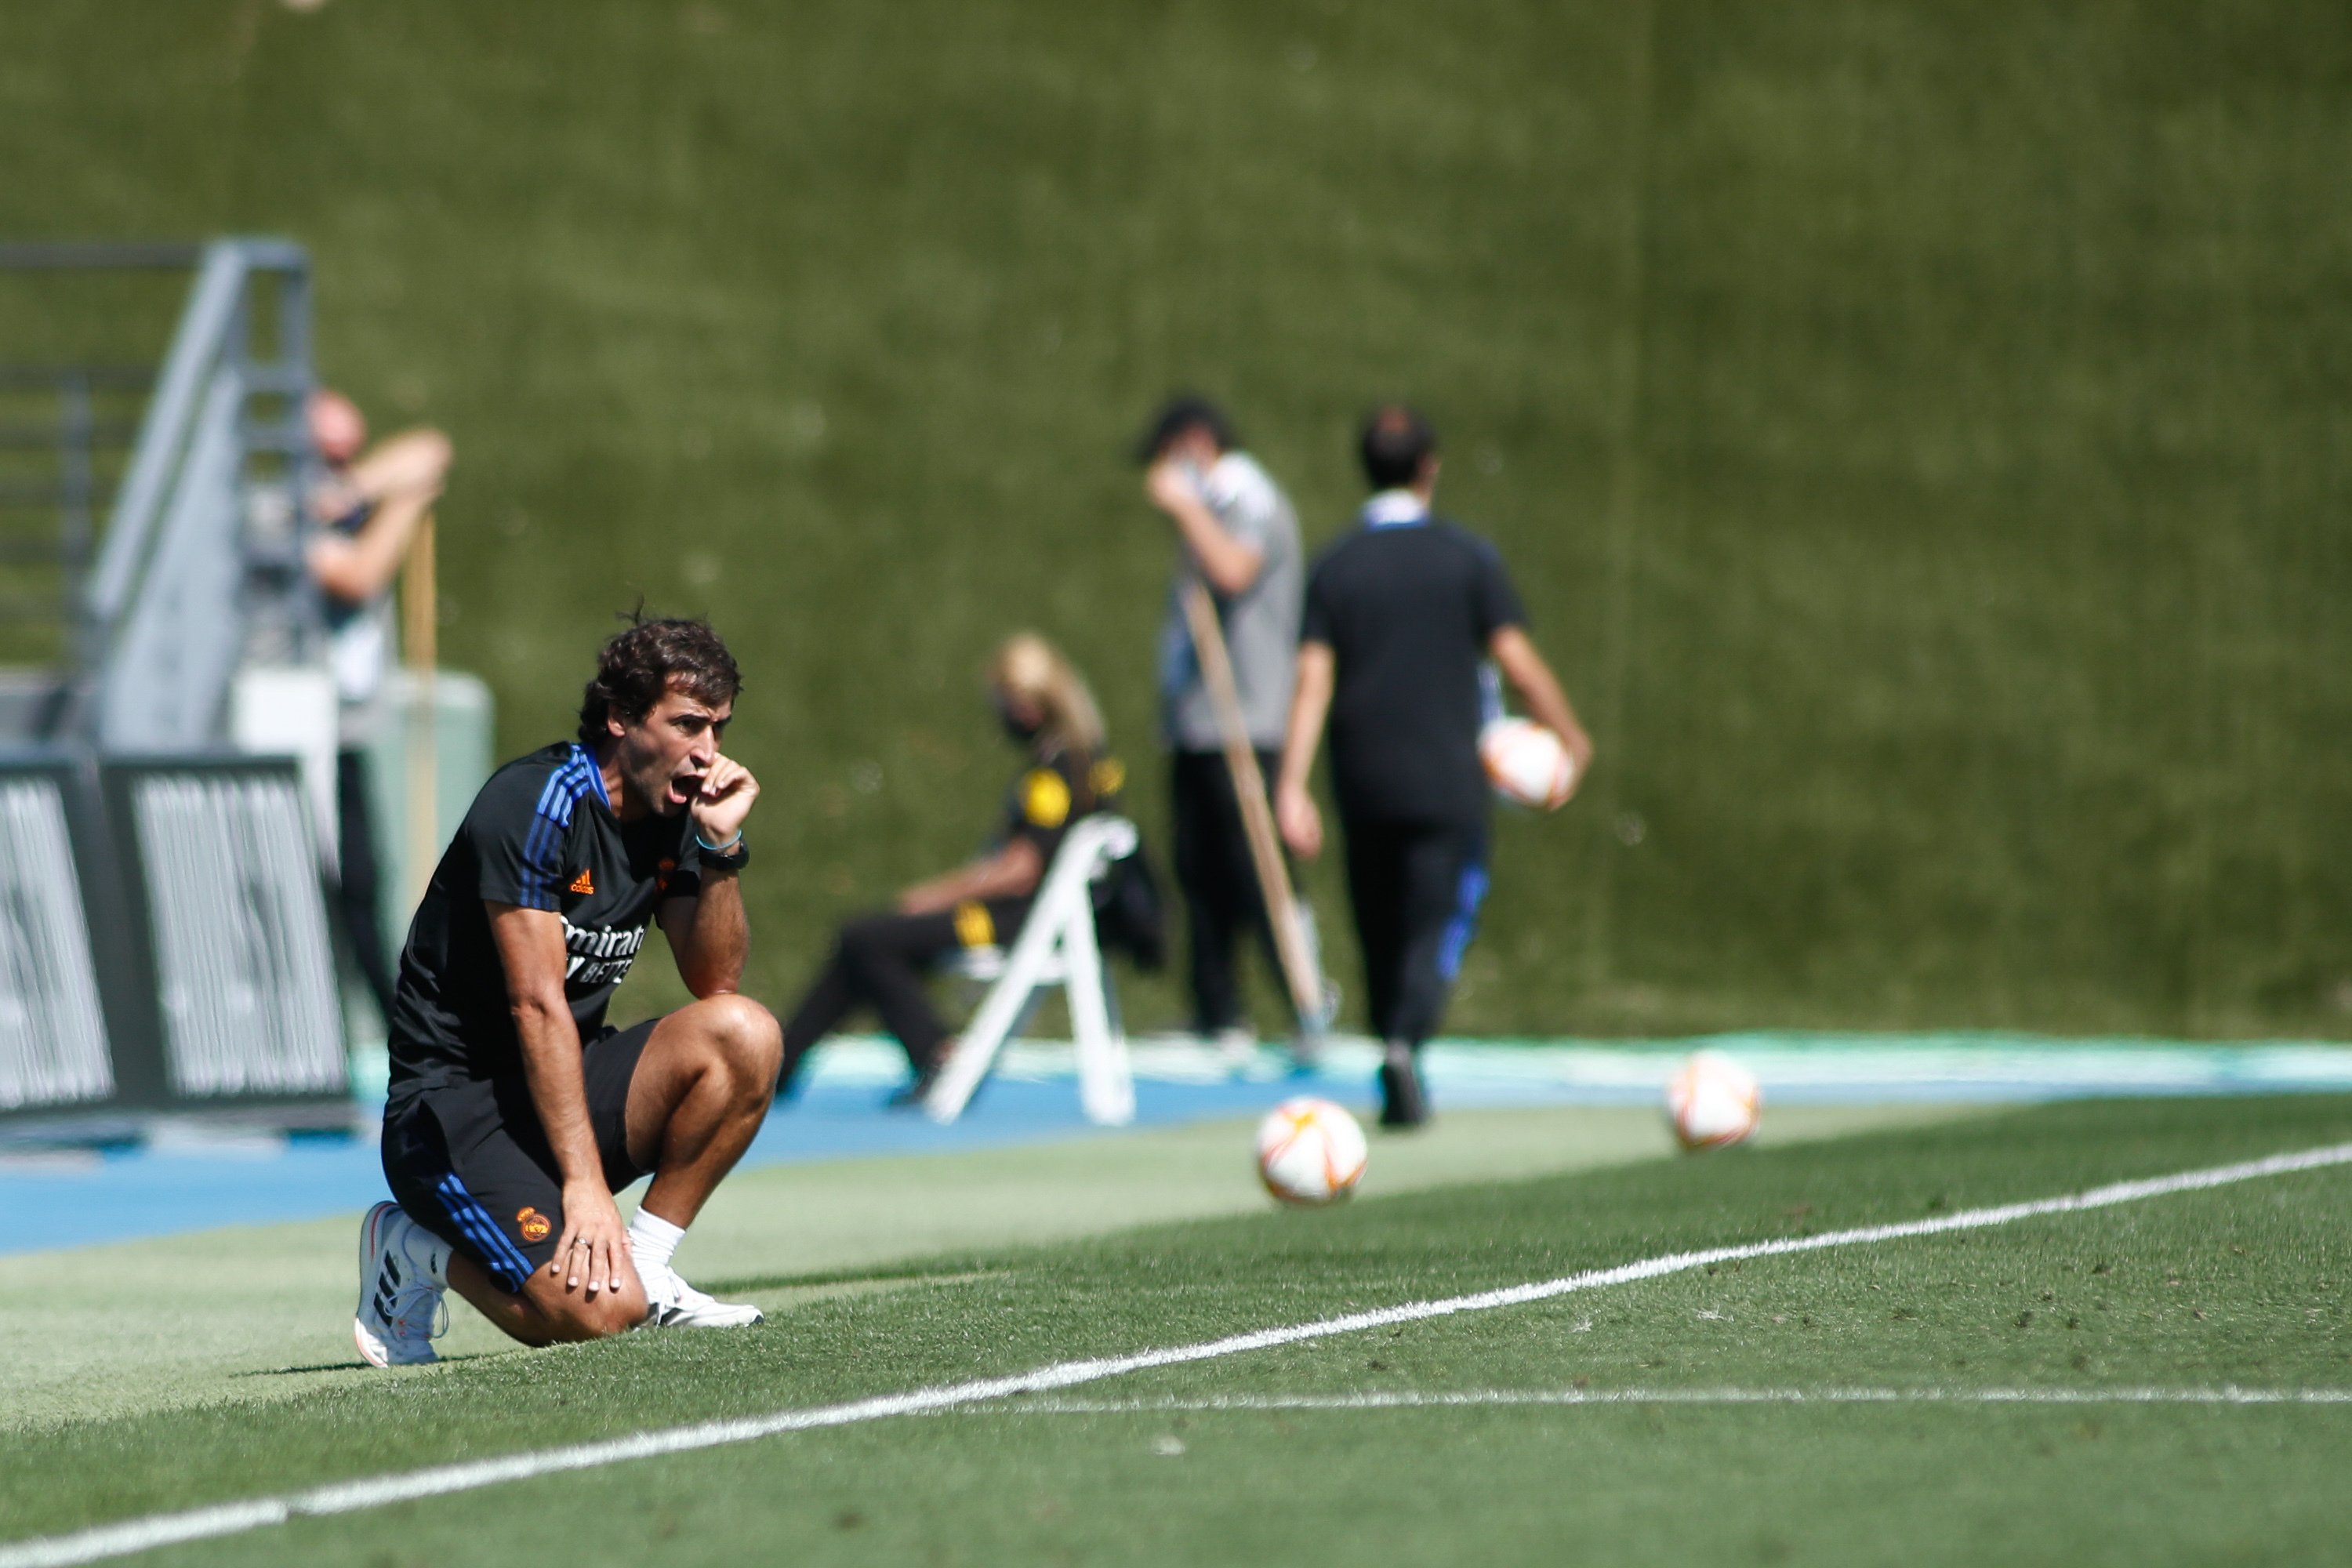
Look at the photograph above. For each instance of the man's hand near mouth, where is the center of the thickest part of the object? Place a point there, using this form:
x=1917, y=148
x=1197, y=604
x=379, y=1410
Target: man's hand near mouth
x=724, y=800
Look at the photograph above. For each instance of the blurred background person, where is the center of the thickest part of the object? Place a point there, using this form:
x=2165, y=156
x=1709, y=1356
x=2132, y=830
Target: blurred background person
x=1238, y=534
x=883, y=961
x=369, y=509
x=1402, y=614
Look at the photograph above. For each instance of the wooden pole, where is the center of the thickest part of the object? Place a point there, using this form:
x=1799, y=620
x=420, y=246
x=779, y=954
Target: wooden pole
x=1299, y=968
x=420, y=650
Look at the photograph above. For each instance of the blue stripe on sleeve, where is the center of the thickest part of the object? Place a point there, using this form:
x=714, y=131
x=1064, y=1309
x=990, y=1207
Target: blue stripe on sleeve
x=558, y=802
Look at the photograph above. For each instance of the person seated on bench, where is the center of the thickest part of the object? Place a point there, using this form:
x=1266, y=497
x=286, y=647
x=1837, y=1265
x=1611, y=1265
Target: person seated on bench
x=882, y=961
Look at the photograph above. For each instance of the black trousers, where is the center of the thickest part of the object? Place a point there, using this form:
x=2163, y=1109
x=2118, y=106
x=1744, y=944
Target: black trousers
x=1222, y=900
x=1416, y=888
x=883, y=962
x=355, y=894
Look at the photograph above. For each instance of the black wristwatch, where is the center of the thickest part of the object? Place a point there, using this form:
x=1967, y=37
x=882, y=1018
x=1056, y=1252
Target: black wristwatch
x=734, y=857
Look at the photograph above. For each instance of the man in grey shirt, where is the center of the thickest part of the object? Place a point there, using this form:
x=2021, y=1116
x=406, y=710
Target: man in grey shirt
x=1238, y=535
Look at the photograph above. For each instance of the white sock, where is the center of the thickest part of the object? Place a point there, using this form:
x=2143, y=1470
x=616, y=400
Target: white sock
x=651, y=1241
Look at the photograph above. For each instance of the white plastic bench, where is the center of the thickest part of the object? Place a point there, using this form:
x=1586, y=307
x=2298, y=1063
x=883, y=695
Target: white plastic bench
x=1057, y=946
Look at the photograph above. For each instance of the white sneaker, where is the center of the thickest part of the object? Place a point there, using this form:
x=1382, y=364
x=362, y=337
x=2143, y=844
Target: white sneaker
x=674, y=1304
x=400, y=1310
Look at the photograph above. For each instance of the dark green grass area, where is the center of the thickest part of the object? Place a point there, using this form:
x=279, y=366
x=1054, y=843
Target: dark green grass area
x=1919, y=432
x=2243, y=1285
x=1631, y=1487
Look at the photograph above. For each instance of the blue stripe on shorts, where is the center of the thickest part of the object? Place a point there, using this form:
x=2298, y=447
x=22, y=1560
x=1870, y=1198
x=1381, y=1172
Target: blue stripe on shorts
x=504, y=1259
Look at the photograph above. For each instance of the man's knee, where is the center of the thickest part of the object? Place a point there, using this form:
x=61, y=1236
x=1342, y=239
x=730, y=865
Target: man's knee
x=744, y=1035
x=572, y=1315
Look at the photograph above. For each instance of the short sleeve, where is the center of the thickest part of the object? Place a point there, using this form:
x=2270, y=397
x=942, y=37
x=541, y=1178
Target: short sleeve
x=1244, y=501
x=517, y=845
x=1496, y=602
x=1042, y=806
x=1314, y=617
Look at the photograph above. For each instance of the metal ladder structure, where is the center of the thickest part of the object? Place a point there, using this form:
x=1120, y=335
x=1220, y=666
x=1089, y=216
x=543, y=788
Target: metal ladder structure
x=198, y=569
x=163, y=941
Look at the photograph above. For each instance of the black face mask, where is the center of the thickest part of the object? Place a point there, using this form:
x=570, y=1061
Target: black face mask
x=1023, y=733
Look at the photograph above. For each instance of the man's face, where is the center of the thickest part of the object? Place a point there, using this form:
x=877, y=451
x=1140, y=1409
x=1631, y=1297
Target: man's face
x=1193, y=446
x=337, y=427
x=664, y=756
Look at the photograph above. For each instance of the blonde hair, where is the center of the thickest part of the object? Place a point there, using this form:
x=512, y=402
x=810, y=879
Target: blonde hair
x=1028, y=665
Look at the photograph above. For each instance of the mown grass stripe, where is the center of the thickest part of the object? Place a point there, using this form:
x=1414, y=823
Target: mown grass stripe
x=122, y=1539
x=1473, y=1398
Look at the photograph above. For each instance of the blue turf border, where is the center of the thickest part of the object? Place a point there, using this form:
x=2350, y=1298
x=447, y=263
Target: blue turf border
x=177, y=1185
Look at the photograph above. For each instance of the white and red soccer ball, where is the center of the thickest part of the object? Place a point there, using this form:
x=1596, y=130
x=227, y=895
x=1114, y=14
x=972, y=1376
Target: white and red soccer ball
x=1309, y=1151
x=1713, y=1101
x=1525, y=763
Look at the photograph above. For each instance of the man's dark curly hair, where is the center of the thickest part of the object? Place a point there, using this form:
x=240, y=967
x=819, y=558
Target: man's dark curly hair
x=639, y=664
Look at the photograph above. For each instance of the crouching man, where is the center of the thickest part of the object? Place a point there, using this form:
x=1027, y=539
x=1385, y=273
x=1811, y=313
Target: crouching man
x=515, y=1113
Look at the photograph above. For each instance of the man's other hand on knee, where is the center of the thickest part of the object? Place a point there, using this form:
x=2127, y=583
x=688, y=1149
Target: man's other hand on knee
x=570, y=1312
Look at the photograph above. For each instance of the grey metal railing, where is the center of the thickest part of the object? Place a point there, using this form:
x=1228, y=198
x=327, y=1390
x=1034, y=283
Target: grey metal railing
x=64, y=434
x=199, y=565
x=164, y=937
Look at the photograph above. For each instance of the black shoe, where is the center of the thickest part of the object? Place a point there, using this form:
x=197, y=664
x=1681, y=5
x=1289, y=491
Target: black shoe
x=1402, y=1103
x=910, y=1095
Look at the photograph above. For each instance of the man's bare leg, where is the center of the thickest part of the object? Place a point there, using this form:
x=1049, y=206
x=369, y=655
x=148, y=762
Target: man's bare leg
x=550, y=1309
x=696, y=1101
x=697, y=1098
x=700, y=1092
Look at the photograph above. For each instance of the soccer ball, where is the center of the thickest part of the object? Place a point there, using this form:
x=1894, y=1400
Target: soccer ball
x=1713, y=1101
x=1309, y=1151
x=1526, y=764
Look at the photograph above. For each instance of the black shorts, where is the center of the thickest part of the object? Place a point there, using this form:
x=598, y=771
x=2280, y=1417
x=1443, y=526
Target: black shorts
x=472, y=1163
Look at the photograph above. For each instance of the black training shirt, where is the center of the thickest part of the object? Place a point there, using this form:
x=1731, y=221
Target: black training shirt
x=540, y=835
x=1407, y=609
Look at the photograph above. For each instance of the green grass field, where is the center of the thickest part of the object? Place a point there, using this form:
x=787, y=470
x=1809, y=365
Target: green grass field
x=1689, y=1442
x=1919, y=432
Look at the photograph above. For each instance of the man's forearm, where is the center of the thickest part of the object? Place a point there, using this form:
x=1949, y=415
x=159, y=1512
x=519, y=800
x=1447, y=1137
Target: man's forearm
x=1548, y=705
x=1229, y=566
x=1539, y=691
x=356, y=570
x=1011, y=873
x=1310, y=704
x=721, y=939
x=383, y=544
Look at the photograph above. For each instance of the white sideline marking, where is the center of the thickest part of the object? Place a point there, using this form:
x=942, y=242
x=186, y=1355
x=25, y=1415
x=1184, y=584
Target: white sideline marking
x=1475, y=1397
x=120, y=1540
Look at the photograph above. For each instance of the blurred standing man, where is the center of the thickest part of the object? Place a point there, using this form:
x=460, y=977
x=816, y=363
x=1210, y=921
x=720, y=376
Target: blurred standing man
x=1239, y=535
x=370, y=510
x=1401, y=615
